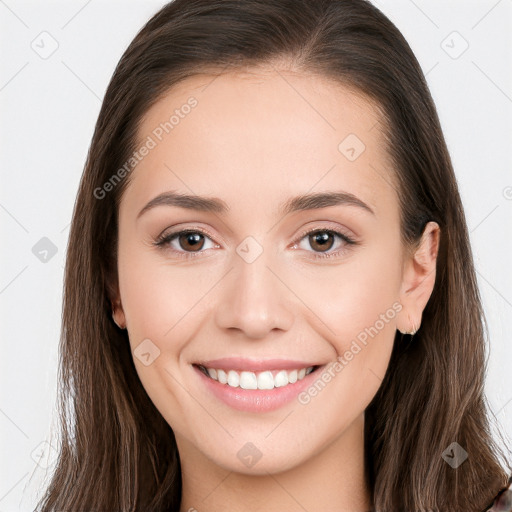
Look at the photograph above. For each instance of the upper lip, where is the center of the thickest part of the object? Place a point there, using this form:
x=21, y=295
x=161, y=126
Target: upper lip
x=243, y=364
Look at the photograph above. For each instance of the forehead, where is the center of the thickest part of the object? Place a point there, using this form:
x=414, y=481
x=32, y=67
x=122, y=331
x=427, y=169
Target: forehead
x=248, y=136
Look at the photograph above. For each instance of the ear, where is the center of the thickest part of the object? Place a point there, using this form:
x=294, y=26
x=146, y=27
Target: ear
x=118, y=314
x=418, y=279
x=117, y=306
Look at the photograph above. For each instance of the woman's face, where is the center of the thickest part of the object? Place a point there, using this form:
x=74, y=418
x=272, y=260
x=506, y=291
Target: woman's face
x=252, y=294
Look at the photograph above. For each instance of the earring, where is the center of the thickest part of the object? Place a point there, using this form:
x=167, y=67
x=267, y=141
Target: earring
x=413, y=332
x=114, y=315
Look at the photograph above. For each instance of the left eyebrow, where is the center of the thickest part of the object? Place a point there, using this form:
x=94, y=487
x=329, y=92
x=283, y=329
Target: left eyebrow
x=322, y=200
x=215, y=205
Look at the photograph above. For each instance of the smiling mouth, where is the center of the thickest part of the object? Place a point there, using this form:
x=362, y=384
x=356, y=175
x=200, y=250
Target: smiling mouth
x=264, y=380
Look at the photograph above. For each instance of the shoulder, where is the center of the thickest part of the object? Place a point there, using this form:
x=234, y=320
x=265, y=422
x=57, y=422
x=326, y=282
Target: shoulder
x=503, y=502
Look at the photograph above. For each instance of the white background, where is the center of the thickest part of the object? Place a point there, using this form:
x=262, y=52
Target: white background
x=48, y=111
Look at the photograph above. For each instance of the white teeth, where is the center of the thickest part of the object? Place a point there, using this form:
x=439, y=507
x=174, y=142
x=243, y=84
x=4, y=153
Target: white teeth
x=221, y=377
x=233, y=378
x=248, y=380
x=281, y=379
x=265, y=380
x=261, y=380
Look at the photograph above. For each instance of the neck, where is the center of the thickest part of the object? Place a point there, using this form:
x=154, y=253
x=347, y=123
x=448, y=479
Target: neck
x=333, y=479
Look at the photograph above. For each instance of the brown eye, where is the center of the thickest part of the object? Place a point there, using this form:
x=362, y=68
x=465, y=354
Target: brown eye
x=191, y=241
x=325, y=243
x=186, y=242
x=321, y=240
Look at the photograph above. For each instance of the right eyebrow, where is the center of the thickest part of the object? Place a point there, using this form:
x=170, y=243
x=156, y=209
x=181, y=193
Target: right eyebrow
x=191, y=202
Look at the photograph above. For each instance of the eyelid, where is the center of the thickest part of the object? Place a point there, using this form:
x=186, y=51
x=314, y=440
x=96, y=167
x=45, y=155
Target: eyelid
x=327, y=226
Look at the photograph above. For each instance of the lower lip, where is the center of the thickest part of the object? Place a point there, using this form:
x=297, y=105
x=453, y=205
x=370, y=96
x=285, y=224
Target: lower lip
x=257, y=400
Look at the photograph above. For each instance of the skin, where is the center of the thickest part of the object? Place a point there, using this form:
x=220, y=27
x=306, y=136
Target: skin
x=254, y=140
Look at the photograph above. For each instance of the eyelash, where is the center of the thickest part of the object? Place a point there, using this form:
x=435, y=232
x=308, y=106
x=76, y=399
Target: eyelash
x=164, y=240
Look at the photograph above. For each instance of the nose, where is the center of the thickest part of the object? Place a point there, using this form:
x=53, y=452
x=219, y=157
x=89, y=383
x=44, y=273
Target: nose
x=254, y=299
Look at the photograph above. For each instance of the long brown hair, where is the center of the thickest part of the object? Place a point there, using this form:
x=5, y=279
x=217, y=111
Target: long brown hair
x=116, y=450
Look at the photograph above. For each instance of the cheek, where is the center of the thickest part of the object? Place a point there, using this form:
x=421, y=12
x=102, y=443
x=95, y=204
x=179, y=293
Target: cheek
x=163, y=306
x=358, y=304
x=157, y=296
x=361, y=314
x=357, y=295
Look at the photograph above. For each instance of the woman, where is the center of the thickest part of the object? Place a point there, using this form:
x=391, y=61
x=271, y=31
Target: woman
x=270, y=299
